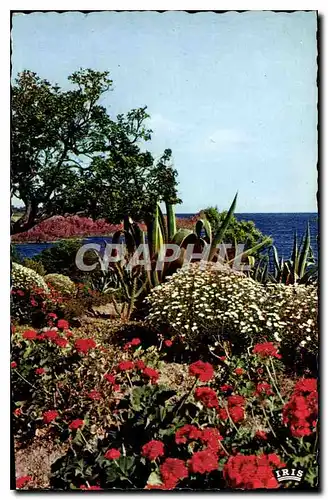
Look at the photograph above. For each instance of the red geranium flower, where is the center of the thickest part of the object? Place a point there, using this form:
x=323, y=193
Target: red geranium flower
x=223, y=414
x=207, y=396
x=173, y=470
x=84, y=345
x=140, y=365
x=266, y=349
x=49, y=416
x=135, y=341
x=187, y=432
x=237, y=413
x=40, y=371
x=124, y=366
x=203, y=371
x=226, y=388
x=94, y=395
x=52, y=315
x=153, y=449
x=150, y=373
x=264, y=388
x=61, y=342
x=211, y=437
x=50, y=334
x=235, y=400
x=239, y=371
x=109, y=378
x=13, y=364
x=76, y=424
x=17, y=412
x=62, y=324
x=168, y=343
x=29, y=334
x=203, y=462
x=261, y=435
x=22, y=481
x=252, y=471
x=112, y=454
x=305, y=385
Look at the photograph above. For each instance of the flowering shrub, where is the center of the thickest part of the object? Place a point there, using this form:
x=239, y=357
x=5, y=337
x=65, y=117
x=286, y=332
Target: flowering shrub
x=25, y=279
x=202, y=306
x=61, y=283
x=222, y=429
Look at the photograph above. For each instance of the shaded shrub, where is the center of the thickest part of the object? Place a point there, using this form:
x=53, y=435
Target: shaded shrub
x=61, y=283
x=35, y=266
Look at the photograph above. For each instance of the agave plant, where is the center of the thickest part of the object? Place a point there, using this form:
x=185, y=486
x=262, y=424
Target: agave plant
x=301, y=267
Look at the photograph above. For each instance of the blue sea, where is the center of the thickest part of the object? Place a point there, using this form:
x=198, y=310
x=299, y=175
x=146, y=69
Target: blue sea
x=280, y=226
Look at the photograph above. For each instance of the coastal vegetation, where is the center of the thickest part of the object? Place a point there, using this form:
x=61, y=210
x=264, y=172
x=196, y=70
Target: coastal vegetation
x=199, y=374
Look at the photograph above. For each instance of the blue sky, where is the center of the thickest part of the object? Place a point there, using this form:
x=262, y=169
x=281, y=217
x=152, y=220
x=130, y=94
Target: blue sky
x=233, y=95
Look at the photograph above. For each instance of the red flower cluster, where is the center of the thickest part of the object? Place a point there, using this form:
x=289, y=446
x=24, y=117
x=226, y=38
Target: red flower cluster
x=50, y=334
x=168, y=343
x=134, y=342
x=29, y=334
x=203, y=371
x=49, y=416
x=151, y=373
x=235, y=408
x=22, y=481
x=203, y=461
x=209, y=436
x=207, y=396
x=187, y=432
x=153, y=449
x=84, y=345
x=63, y=324
x=110, y=378
x=124, y=366
x=76, y=424
x=61, y=342
x=239, y=371
x=140, y=365
x=263, y=388
x=112, y=454
x=95, y=395
x=266, y=349
x=301, y=411
x=261, y=435
x=173, y=470
x=40, y=371
x=252, y=471
x=13, y=364
x=17, y=412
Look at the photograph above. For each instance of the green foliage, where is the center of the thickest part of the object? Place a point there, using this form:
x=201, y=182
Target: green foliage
x=14, y=255
x=57, y=167
x=61, y=257
x=35, y=266
x=242, y=232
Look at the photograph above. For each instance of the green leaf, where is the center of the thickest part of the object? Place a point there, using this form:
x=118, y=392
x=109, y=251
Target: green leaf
x=154, y=478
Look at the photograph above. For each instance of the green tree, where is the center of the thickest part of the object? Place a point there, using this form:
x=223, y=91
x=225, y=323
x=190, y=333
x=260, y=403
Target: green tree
x=70, y=157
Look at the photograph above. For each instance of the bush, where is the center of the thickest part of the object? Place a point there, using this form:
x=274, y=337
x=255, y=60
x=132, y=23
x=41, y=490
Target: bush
x=28, y=292
x=61, y=283
x=35, y=266
x=243, y=232
x=126, y=430
x=26, y=279
x=205, y=307
x=61, y=257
